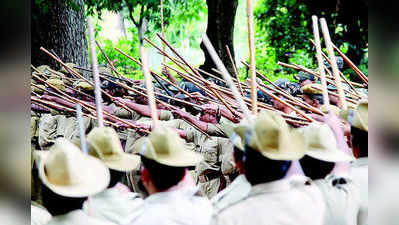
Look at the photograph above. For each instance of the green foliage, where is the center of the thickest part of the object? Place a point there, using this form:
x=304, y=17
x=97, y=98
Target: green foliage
x=123, y=64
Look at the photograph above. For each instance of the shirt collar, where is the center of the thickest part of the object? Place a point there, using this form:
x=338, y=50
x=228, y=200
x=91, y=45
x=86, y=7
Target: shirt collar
x=274, y=186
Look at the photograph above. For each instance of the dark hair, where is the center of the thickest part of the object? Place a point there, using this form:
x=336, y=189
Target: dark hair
x=163, y=177
x=59, y=205
x=238, y=154
x=360, y=141
x=317, y=97
x=116, y=177
x=260, y=169
x=314, y=168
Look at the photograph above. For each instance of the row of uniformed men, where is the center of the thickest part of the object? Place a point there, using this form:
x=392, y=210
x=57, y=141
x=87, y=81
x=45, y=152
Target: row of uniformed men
x=274, y=162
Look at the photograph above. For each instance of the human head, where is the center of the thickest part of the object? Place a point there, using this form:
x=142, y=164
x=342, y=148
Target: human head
x=59, y=205
x=260, y=169
x=157, y=177
x=210, y=114
x=314, y=168
x=315, y=100
x=305, y=78
x=359, y=140
x=165, y=158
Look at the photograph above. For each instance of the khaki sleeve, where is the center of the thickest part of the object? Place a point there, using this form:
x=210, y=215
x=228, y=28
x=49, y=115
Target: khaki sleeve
x=123, y=113
x=47, y=131
x=226, y=155
x=215, y=130
x=165, y=115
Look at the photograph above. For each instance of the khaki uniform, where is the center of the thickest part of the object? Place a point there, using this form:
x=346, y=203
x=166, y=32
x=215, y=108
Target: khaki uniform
x=209, y=173
x=47, y=131
x=360, y=178
x=235, y=192
x=133, y=115
x=278, y=202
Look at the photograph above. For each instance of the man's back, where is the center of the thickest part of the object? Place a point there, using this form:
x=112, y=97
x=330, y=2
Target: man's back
x=175, y=207
x=278, y=202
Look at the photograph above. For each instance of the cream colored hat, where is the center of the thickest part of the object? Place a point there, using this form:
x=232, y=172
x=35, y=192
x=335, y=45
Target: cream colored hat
x=271, y=136
x=312, y=89
x=69, y=172
x=43, y=68
x=165, y=146
x=333, y=108
x=70, y=65
x=57, y=83
x=105, y=145
x=359, y=117
x=85, y=86
x=322, y=145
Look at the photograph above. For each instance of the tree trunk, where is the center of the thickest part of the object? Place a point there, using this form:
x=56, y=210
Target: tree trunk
x=220, y=30
x=61, y=29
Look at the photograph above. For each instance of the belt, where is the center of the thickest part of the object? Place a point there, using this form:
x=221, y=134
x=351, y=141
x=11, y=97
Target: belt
x=208, y=176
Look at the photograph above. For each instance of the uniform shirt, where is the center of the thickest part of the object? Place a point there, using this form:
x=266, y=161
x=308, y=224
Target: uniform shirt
x=133, y=115
x=77, y=217
x=47, y=130
x=113, y=205
x=236, y=191
x=39, y=216
x=178, y=207
x=277, y=202
x=360, y=178
x=342, y=199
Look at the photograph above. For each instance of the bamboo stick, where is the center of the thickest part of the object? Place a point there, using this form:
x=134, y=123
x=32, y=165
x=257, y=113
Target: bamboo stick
x=234, y=69
x=227, y=77
x=334, y=66
x=252, y=68
x=75, y=100
x=96, y=76
x=149, y=87
x=110, y=64
x=320, y=60
x=154, y=73
x=361, y=75
x=286, y=104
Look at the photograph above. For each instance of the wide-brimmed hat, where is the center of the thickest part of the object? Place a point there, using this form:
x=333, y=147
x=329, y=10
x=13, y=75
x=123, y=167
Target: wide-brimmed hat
x=84, y=85
x=359, y=117
x=332, y=108
x=272, y=137
x=105, y=144
x=56, y=82
x=321, y=144
x=313, y=89
x=301, y=76
x=67, y=171
x=165, y=146
x=70, y=65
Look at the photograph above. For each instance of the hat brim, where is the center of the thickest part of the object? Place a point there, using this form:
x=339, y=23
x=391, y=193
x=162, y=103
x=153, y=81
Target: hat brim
x=296, y=142
x=96, y=176
x=329, y=155
x=184, y=158
x=122, y=162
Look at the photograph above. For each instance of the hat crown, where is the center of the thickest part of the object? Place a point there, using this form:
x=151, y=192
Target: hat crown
x=105, y=141
x=319, y=136
x=166, y=147
x=272, y=137
x=269, y=130
x=62, y=163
